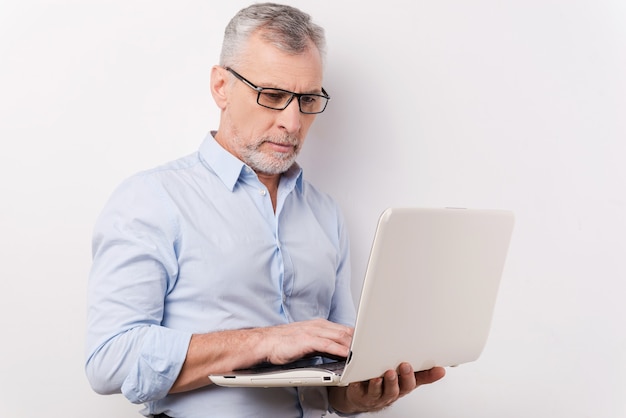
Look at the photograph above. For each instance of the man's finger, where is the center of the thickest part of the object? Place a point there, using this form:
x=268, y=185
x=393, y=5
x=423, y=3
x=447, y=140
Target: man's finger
x=429, y=376
x=406, y=379
x=375, y=388
x=391, y=391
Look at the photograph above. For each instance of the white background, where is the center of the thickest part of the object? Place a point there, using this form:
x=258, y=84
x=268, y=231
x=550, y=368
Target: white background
x=517, y=105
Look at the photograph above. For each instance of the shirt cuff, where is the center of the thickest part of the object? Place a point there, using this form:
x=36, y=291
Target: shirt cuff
x=159, y=362
x=340, y=414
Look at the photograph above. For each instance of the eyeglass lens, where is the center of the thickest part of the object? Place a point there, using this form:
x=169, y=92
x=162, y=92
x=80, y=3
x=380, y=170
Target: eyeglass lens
x=278, y=99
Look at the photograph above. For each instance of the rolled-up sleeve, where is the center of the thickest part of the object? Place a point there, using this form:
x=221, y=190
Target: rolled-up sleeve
x=134, y=267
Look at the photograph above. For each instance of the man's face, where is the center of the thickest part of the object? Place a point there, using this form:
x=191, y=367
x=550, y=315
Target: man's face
x=269, y=140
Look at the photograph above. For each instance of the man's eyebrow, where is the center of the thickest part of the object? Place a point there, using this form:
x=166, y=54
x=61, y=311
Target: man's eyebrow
x=276, y=87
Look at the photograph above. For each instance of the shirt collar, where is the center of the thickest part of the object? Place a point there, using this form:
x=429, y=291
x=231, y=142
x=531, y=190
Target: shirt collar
x=230, y=169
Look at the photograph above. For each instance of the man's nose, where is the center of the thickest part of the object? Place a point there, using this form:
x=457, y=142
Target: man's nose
x=289, y=118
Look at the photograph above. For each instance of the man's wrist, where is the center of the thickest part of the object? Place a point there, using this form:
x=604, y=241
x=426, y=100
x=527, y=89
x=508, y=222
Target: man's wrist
x=338, y=402
x=339, y=414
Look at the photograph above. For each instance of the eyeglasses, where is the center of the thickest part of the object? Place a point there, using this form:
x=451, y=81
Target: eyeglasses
x=279, y=99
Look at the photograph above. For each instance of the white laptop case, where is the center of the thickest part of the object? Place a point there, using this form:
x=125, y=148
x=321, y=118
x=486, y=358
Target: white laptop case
x=428, y=298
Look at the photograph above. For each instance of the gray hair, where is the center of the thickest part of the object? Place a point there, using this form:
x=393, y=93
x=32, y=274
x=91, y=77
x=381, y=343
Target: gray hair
x=285, y=27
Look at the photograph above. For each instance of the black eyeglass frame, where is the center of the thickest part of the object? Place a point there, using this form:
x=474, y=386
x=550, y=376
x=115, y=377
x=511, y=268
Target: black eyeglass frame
x=260, y=90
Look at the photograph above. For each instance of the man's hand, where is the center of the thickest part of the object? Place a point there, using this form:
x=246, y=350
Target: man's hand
x=376, y=394
x=290, y=342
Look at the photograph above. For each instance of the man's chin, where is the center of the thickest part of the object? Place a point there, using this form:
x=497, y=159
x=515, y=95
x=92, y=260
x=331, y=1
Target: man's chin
x=271, y=171
x=278, y=165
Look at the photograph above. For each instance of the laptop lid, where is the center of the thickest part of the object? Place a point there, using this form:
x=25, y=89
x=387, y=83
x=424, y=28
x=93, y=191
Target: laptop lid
x=428, y=297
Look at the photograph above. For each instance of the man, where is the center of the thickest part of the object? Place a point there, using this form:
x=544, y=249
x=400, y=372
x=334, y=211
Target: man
x=227, y=258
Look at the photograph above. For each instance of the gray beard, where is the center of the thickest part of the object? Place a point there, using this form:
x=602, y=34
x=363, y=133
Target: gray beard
x=273, y=163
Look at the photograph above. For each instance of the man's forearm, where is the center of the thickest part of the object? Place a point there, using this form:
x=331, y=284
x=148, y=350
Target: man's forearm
x=218, y=352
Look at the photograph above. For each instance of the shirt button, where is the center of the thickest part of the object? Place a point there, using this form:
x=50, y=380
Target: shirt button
x=284, y=298
x=262, y=192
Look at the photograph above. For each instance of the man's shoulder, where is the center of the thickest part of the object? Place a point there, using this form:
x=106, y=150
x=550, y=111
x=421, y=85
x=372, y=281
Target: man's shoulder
x=158, y=177
x=186, y=162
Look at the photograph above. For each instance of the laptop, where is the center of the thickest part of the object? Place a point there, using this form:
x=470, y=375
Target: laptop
x=428, y=298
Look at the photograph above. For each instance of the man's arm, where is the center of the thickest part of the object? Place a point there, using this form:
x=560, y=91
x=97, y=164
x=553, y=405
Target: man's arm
x=229, y=350
x=376, y=394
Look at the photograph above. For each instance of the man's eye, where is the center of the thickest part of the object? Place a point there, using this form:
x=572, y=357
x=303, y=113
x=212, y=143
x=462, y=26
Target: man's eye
x=275, y=97
x=308, y=100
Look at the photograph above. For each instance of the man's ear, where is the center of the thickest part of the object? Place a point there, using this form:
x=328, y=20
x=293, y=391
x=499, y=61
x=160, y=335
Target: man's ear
x=219, y=86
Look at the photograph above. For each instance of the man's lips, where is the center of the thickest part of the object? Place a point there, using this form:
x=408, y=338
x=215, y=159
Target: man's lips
x=281, y=147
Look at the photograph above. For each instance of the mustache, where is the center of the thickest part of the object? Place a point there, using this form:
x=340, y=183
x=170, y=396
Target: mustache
x=281, y=140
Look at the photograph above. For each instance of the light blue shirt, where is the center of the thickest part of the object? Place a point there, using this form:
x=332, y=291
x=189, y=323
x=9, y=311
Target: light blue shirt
x=195, y=246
